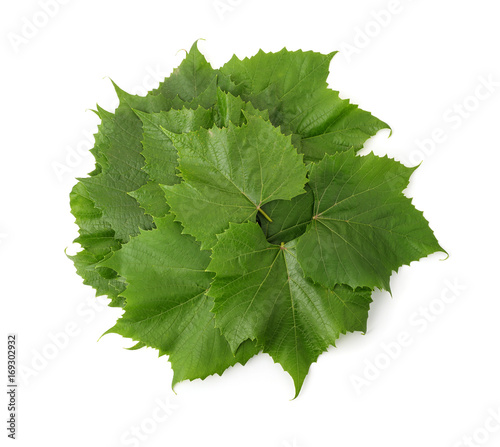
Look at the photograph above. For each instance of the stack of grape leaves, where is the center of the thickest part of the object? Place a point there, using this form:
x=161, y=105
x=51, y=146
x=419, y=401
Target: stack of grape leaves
x=229, y=214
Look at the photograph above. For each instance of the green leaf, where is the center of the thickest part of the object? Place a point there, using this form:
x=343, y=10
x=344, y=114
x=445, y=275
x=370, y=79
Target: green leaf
x=285, y=73
x=96, y=235
x=109, y=189
x=363, y=227
x=152, y=199
x=289, y=218
x=158, y=151
x=105, y=281
x=232, y=109
x=334, y=125
x=193, y=79
x=97, y=240
x=293, y=87
x=261, y=294
x=167, y=306
x=229, y=174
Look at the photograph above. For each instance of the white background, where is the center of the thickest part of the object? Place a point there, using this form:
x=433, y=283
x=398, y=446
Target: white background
x=414, y=72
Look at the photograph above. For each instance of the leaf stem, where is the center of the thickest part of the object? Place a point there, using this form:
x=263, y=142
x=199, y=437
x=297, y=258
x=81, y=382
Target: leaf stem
x=264, y=214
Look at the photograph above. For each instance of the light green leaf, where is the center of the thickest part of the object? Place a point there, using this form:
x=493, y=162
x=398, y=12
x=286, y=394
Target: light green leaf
x=229, y=174
x=261, y=294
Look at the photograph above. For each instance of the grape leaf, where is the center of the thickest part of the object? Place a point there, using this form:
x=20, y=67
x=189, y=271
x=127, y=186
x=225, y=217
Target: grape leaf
x=193, y=80
x=159, y=153
x=97, y=240
x=363, y=227
x=152, y=199
x=261, y=294
x=289, y=218
x=109, y=189
x=232, y=109
x=229, y=174
x=195, y=83
x=158, y=150
x=292, y=86
x=167, y=306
